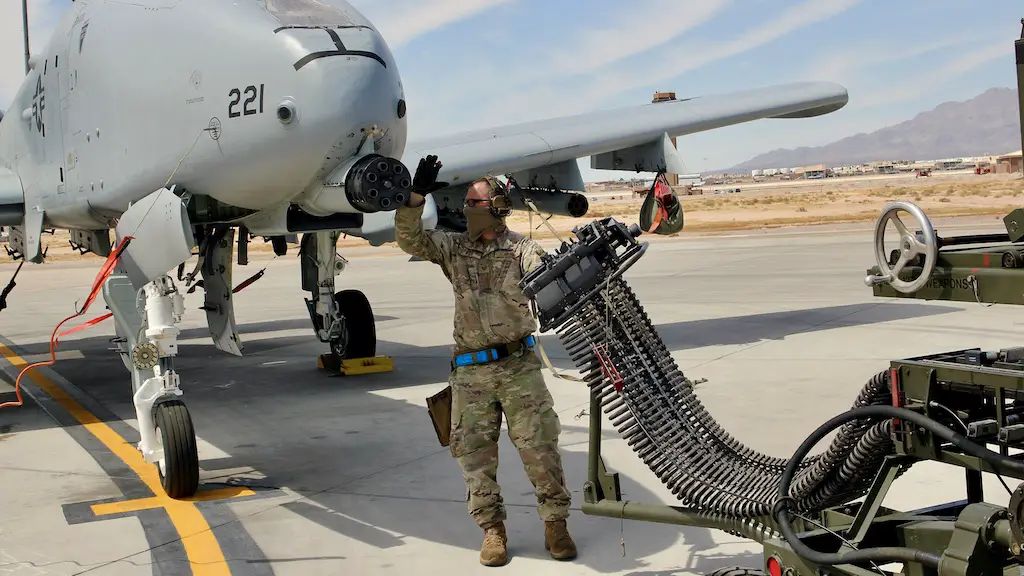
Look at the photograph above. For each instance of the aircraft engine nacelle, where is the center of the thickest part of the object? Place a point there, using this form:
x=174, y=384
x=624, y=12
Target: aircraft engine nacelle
x=370, y=183
x=572, y=204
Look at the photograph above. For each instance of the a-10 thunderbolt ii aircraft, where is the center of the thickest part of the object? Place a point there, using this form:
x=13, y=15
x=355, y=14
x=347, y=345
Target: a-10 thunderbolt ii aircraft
x=176, y=122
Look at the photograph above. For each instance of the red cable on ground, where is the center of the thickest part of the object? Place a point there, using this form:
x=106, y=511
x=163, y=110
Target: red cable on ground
x=101, y=277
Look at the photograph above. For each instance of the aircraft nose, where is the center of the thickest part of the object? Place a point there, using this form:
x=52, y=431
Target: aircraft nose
x=350, y=103
x=351, y=82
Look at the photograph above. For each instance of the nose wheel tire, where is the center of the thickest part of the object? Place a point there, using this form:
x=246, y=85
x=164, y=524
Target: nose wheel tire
x=179, y=467
x=359, y=337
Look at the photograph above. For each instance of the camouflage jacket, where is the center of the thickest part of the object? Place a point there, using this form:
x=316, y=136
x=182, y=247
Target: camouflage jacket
x=490, y=307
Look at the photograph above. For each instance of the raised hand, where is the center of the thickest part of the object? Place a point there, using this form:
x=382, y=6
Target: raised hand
x=425, y=180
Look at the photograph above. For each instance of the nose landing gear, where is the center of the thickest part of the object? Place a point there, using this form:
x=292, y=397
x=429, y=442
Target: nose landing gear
x=145, y=323
x=358, y=336
x=342, y=319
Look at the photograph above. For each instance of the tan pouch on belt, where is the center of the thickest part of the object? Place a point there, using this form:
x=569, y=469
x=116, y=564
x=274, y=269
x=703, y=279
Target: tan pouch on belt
x=440, y=408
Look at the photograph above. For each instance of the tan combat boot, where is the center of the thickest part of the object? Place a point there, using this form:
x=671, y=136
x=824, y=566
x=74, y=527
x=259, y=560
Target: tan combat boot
x=558, y=542
x=493, y=552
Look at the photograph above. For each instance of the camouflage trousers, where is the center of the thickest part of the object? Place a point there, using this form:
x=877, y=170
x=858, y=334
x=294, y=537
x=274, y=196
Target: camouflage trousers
x=480, y=394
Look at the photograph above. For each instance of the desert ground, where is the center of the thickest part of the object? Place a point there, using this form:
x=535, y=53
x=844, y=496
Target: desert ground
x=798, y=203
x=833, y=201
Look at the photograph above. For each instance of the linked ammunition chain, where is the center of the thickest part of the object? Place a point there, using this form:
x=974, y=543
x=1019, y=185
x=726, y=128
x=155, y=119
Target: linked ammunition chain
x=579, y=292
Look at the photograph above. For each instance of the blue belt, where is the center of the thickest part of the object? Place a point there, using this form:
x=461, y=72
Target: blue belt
x=490, y=354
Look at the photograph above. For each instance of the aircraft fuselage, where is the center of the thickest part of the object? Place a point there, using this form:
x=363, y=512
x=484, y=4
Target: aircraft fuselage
x=252, y=103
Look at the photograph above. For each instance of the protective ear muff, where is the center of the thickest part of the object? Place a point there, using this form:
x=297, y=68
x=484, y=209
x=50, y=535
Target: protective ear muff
x=501, y=204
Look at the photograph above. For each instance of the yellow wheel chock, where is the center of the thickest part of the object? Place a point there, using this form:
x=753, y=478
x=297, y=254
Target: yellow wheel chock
x=355, y=366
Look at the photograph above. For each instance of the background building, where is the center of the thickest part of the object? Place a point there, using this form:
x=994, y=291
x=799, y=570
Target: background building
x=1009, y=163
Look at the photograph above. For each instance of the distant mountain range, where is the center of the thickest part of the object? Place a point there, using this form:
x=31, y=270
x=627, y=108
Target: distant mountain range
x=986, y=124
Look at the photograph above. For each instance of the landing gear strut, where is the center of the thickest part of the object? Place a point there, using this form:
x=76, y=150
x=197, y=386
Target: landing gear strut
x=147, y=339
x=343, y=319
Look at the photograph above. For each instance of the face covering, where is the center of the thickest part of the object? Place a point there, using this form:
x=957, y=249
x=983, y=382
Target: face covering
x=480, y=221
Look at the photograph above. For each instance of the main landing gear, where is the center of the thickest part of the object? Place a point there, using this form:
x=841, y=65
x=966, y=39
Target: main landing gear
x=343, y=319
x=147, y=339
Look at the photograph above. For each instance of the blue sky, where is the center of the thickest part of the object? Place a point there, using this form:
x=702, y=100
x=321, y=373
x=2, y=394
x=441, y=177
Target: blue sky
x=475, y=63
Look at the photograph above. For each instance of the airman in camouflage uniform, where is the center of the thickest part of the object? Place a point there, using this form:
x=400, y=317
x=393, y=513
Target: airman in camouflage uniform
x=485, y=265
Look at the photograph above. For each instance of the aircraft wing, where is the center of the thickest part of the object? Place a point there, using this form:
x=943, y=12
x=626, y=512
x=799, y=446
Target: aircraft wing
x=542, y=154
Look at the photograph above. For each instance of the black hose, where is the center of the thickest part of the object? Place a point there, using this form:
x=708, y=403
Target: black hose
x=884, y=553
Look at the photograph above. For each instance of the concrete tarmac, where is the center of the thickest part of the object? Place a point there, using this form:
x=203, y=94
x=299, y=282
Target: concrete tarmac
x=312, y=474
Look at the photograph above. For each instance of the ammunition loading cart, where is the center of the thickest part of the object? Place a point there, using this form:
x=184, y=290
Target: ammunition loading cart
x=944, y=407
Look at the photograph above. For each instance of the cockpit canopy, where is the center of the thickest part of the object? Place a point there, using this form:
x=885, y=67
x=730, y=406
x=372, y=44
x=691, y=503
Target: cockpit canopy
x=313, y=12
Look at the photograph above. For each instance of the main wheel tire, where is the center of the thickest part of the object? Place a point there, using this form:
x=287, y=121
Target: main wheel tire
x=736, y=571
x=360, y=328
x=179, y=471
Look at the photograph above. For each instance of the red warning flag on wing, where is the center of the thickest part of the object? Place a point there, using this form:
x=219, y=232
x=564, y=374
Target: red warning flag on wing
x=661, y=212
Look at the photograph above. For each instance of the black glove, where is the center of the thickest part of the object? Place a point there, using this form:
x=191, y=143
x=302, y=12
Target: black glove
x=425, y=180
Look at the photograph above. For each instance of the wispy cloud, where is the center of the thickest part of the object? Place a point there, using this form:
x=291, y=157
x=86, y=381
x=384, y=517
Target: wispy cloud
x=854, y=63
x=657, y=67
x=930, y=80
x=402, y=21
x=670, y=65
x=660, y=21
x=595, y=42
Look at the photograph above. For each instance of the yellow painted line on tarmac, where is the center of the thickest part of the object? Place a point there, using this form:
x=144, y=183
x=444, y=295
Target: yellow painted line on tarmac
x=201, y=547
x=161, y=502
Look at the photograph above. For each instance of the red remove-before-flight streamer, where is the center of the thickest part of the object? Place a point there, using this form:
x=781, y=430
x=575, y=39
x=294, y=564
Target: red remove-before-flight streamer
x=108, y=266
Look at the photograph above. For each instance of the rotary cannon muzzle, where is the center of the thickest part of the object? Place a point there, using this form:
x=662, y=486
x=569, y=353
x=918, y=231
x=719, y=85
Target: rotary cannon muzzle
x=376, y=183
